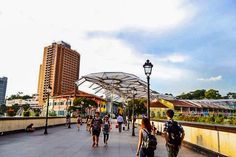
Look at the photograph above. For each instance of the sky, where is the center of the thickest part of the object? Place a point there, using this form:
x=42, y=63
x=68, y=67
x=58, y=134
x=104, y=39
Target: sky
x=190, y=43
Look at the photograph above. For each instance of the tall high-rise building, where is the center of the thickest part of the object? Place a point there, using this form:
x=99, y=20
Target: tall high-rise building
x=59, y=70
x=3, y=88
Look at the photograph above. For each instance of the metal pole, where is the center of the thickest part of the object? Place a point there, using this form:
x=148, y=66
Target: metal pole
x=148, y=99
x=128, y=119
x=46, y=124
x=70, y=115
x=133, y=133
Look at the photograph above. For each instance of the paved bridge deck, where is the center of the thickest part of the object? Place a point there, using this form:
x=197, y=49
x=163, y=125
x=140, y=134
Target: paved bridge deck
x=64, y=142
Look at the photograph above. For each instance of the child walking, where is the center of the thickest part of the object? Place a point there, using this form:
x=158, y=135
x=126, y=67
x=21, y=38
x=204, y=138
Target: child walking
x=106, y=129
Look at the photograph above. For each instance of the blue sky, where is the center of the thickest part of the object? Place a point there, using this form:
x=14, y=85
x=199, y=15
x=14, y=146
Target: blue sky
x=209, y=39
x=191, y=43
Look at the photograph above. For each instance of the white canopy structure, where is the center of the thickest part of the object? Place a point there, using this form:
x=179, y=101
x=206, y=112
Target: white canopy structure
x=116, y=84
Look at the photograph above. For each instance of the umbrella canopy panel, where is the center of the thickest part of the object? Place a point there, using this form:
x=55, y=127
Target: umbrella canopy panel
x=117, y=83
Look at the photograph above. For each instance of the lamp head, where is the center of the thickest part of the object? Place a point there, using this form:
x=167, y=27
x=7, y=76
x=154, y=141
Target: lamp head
x=147, y=68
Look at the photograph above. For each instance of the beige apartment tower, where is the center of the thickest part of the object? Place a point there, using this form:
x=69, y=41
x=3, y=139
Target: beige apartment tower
x=60, y=69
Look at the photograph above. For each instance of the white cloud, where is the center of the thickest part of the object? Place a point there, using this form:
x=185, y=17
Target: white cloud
x=104, y=15
x=175, y=58
x=27, y=26
x=211, y=79
x=111, y=54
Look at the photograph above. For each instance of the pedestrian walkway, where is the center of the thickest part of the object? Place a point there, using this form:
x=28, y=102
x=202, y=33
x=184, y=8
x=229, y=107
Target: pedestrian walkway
x=64, y=142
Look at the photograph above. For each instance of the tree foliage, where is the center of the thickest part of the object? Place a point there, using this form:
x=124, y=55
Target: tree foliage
x=82, y=104
x=231, y=95
x=139, y=107
x=18, y=96
x=206, y=94
x=212, y=94
x=197, y=94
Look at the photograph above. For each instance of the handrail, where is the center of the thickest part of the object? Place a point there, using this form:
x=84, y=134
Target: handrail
x=217, y=127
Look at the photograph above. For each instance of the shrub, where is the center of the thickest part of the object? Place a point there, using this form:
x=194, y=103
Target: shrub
x=52, y=113
x=26, y=113
x=36, y=114
x=219, y=119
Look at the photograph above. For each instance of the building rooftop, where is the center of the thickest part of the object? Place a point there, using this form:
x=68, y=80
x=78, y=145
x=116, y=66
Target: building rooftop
x=62, y=43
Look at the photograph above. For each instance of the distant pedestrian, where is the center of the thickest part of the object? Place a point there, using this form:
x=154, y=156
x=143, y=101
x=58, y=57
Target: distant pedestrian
x=106, y=129
x=68, y=120
x=147, y=142
x=30, y=128
x=109, y=117
x=120, y=121
x=154, y=129
x=96, y=125
x=79, y=122
x=174, y=134
x=89, y=121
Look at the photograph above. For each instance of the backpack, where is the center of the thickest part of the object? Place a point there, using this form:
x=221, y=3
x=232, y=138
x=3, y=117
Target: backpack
x=106, y=127
x=96, y=124
x=150, y=142
x=174, y=132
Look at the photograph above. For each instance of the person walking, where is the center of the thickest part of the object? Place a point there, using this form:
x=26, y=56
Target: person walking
x=68, y=120
x=174, y=134
x=154, y=129
x=96, y=125
x=120, y=121
x=106, y=129
x=79, y=121
x=89, y=121
x=147, y=142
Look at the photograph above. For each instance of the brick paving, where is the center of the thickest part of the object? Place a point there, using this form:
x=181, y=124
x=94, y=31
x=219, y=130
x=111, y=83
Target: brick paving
x=64, y=142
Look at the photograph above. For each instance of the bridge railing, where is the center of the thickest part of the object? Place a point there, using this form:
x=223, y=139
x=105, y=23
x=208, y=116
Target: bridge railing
x=217, y=139
x=15, y=124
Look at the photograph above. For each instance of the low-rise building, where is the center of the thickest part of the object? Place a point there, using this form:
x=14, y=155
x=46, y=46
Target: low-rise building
x=224, y=106
x=61, y=103
x=33, y=102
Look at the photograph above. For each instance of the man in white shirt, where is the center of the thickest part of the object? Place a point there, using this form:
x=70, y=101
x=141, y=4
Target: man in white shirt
x=120, y=121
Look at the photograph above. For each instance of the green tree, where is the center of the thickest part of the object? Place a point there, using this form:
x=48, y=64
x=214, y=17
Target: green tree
x=185, y=96
x=24, y=97
x=15, y=107
x=83, y=103
x=18, y=96
x=26, y=107
x=231, y=95
x=212, y=94
x=11, y=111
x=198, y=94
x=140, y=107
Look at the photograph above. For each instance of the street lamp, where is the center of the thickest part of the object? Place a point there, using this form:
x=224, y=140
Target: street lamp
x=69, y=114
x=148, y=70
x=49, y=90
x=134, y=92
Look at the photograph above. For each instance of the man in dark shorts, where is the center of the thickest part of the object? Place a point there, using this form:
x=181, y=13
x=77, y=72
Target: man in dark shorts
x=96, y=125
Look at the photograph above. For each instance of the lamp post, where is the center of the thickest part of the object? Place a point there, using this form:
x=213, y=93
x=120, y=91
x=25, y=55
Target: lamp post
x=49, y=90
x=148, y=70
x=134, y=92
x=69, y=114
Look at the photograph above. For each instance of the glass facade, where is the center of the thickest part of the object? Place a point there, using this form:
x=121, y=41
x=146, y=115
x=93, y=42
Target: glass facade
x=3, y=88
